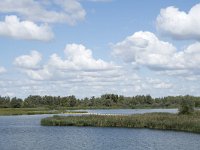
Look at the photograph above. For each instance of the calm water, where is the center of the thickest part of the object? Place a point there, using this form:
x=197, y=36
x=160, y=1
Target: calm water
x=25, y=133
x=130, y=111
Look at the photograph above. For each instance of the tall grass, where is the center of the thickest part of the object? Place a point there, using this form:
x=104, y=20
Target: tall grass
x=164, y=121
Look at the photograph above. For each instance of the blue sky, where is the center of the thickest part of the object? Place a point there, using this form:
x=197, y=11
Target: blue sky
x=92, y=47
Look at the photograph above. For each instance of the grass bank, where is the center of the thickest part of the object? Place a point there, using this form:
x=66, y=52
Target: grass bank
x=164, y=121
x=34, y=111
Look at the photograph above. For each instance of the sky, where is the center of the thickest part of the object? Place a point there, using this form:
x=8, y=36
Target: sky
x=92, y=47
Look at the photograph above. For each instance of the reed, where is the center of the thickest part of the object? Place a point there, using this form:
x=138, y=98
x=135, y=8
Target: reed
x=165, y=121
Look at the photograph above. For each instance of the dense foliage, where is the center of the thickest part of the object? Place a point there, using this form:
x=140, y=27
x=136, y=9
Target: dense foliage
x=104, y=101
x=186, y=106
x=164, y=121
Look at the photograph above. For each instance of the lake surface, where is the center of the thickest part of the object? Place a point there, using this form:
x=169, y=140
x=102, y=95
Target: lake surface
x=25, y=133
x=129, y=111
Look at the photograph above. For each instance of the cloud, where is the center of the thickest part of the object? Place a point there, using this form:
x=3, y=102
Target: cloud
x=179, y=24
x=78, y=57
x=13, y=27
x=158, y=84
x=78, y=62
x=2, y=70
x=99, y=0
x=88, y=85
x=69, y=11
x=28, y=61
x=76, y=70
x=40, y=74
x=144, y=49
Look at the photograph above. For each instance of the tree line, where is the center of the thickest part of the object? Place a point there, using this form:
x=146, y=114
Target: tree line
x=104, y=101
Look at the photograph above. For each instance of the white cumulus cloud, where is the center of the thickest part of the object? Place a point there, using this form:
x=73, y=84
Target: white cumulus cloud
x=78, y=57
x=69, y=11
x=145, y=49
x=78, y=63
x=13, y=27
x=28, y=61
x=179, y=24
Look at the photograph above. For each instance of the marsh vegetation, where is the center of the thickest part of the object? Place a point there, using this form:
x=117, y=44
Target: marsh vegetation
x=34, y=111
x=165, y=121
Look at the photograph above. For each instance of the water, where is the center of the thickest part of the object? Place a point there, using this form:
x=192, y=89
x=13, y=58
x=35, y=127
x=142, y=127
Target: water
x=130, y=111
x=25, y=133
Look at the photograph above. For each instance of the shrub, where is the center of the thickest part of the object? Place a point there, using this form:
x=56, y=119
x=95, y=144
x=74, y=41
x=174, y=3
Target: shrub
x=186, y=106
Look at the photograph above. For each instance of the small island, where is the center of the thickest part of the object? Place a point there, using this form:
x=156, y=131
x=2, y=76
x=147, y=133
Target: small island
x=187, y=119
x=164, y=121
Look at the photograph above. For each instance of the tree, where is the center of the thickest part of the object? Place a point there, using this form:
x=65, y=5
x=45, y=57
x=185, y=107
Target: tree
x=4, y=102
x=186, y=106
x=71, y=101
x=16, y=102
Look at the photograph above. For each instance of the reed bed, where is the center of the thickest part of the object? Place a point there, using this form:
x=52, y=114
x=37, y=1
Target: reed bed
x=164, y=121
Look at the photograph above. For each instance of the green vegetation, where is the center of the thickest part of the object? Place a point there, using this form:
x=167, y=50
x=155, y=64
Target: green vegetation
x=104, y=101
x=25, y=111
x=56, y=105
x=186, y=106
x=33, y=111
x=165, y=121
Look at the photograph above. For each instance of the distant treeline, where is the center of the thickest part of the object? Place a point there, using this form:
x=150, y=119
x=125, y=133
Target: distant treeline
x=104, y=101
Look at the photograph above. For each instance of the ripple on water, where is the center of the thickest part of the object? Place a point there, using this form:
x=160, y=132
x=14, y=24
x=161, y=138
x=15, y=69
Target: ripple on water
x=25, y=132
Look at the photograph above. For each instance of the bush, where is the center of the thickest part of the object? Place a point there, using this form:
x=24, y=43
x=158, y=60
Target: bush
x=186, y=106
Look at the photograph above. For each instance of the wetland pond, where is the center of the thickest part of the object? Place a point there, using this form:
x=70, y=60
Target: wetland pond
x=25, y=133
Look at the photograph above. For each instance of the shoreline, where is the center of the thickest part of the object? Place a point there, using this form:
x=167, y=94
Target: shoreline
x=34, y=111
x=40, y=110
x=161, y=121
